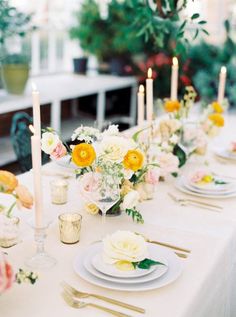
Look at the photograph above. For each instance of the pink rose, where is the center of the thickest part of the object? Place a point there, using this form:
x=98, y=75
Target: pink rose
x=89, y=183
x=233, y=146
x=152, y=176
x=168, y=163
x=59, y=151
x=6, y=274
x=197, y=177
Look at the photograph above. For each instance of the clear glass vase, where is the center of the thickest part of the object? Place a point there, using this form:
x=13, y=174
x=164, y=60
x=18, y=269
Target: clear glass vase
x=9, y=231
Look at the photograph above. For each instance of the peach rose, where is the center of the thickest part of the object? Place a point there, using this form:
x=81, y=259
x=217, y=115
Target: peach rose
x=24, y=197
x=8, y=182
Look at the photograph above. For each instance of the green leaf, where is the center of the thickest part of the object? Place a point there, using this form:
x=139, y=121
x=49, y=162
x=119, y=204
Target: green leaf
x=180, y=35
x=205, y=31
x=202, y=22
x=196, y=34
x=146, y=264
x=219, y=182
x=135, y=136
x=135, y=214
x=179, y=152
x=195, y=16
x=182, y=26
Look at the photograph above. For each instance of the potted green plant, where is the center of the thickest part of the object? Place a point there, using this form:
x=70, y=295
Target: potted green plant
x=110, y=39
x=15, y=67
x=91, y=31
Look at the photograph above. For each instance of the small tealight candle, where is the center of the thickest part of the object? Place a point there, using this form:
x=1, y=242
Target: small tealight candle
x=59, y=190
x=69, y=226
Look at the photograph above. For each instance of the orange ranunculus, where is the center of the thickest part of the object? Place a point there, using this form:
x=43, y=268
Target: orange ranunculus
x=83, y=154
x=172, y=105
x=24, y=197
x=8, y=182
x=217, y=119
x=133, y=160
x=217, y=107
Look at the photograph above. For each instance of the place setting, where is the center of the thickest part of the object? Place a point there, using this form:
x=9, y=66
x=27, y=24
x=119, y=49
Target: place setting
x=226, y=152
x=124, y=261
x=207, y=184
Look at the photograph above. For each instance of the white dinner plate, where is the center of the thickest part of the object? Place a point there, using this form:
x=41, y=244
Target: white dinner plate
x=111, y=270
x=174, y=271
x=181, y=186
x=225, y=153
x=213, y=189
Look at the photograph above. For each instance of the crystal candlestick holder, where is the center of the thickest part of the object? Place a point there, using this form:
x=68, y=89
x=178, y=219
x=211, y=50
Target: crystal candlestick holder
x=41, y=259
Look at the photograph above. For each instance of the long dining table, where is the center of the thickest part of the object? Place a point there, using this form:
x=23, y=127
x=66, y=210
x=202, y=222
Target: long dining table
x=206, y=287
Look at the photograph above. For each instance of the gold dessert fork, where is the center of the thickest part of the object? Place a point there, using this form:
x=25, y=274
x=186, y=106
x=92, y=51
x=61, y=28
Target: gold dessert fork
x=79, y=304
x=74, y=292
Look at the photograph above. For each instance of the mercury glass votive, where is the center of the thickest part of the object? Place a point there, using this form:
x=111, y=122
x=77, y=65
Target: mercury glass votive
x=59, y=189
x=69, y=226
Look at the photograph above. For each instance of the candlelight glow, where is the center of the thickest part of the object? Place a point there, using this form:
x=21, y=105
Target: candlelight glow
x=141, y=89
x=31, y=127
x=175, y=61
x=149, y=73
x=34, y=87
x=223, y=70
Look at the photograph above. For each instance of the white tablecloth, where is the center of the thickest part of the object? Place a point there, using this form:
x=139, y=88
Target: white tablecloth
x=203, y=290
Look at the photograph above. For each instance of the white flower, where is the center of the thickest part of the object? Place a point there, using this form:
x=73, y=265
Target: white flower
x=49, y=142
x=112, y=130
x=174, y=139
x=114, y=148
x=86, y=134
x=130, y=200
x=124, y=246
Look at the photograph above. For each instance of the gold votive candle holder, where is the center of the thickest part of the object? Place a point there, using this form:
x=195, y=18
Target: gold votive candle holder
x=70, y=226
x=59, y=189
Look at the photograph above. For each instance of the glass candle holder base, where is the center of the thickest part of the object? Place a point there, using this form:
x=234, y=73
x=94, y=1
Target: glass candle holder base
x=41, y=259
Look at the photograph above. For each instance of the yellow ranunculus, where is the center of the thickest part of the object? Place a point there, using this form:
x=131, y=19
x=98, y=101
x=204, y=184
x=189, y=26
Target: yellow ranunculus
x=217, y=107
x=8, y=182
x=83, y=155
x=133, y=160
x=172, y=105
x=217, y=119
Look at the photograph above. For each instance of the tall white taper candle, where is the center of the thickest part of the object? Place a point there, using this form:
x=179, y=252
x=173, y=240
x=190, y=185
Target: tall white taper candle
x=174, y=79
x=141, y=105
x=36, y=110
x=149, y=95
x=221, y=88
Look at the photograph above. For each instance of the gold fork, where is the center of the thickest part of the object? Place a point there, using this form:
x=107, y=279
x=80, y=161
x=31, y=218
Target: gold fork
x=78, y=294
x=164, y=244
x=79, y=304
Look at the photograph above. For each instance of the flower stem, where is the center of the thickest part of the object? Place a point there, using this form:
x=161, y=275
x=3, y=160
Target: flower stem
x=10, y=210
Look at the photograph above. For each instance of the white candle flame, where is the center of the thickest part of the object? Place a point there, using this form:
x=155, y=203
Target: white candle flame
x=223, y=70
x=141, y=89
x=175, y=61
x=31, y=127
x=34, y=87
x=149, y=73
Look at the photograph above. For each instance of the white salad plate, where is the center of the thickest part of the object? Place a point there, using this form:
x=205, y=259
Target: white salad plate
x=180, y=185
x=159, y=271
x=173, y=272
x=111, y=270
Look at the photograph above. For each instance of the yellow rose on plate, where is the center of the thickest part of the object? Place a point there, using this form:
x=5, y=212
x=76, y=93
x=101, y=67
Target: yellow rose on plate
x=124, y=246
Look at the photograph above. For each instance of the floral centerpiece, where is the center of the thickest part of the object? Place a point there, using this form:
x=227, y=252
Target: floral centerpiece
x=109, y=152
x=9, y=185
